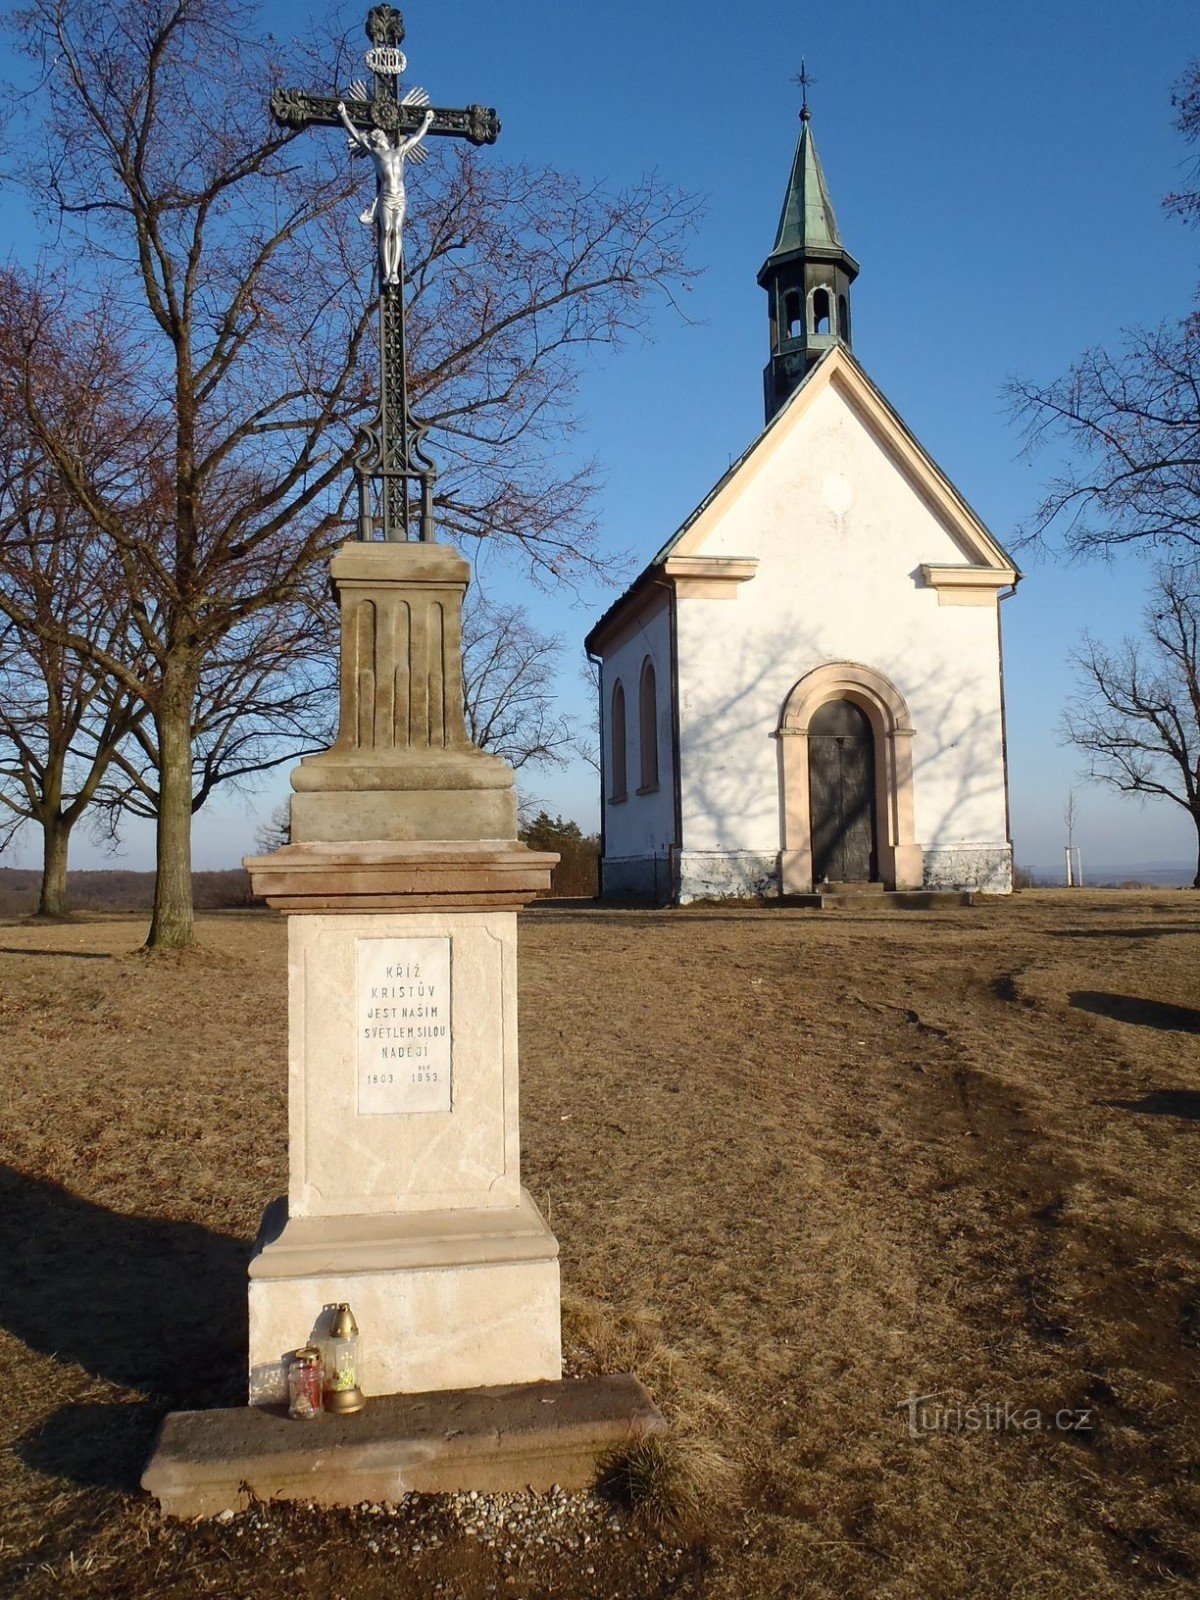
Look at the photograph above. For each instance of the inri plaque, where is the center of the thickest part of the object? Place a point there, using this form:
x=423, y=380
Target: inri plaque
x=403, y=1025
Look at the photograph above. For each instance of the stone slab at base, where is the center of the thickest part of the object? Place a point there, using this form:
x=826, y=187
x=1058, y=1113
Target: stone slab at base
x=457, y=1299
x=492, y=1440
x=888, y=900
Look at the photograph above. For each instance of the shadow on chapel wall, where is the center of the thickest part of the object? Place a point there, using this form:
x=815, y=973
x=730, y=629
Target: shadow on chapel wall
x=753, y=691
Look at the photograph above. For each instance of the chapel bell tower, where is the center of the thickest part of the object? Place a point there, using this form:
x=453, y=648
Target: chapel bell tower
x=807, y=276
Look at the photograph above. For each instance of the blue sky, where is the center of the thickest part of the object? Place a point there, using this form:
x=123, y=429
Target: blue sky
x=998, y=173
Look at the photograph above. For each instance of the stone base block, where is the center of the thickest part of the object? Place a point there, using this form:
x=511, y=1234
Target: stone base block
x=444, y=1299
x=726, y=874
x=985, y=868
x=404, y=815
x=493, y=1440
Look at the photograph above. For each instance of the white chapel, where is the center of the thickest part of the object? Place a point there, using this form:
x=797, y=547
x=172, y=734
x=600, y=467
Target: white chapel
x=804, y=687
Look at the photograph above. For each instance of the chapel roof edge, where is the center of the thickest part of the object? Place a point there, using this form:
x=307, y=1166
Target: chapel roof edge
x=828, y=365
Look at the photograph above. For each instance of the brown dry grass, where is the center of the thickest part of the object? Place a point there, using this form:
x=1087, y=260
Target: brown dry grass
x=800, y=1166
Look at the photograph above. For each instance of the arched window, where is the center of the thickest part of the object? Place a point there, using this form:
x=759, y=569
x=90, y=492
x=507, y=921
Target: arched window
x=844, y=319
x=618, y=742
x=792, y=318
x=648, y=727
x=820, y=310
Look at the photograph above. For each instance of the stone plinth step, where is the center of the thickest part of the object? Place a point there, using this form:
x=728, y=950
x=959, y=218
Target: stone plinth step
x=887, y=900
x=325, y=876
x=531, y=1435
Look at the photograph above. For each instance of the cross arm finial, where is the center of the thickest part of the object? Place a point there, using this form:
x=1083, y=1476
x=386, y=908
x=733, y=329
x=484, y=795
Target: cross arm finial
x=385, y=26
x=804, y=80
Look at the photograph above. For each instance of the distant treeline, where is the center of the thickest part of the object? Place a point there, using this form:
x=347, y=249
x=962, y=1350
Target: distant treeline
x=574, y=877
x=577, y=875
x=122, y=891
x=1135, y=878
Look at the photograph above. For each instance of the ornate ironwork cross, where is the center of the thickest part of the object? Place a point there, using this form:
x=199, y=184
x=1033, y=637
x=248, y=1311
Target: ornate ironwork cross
x=391, y=449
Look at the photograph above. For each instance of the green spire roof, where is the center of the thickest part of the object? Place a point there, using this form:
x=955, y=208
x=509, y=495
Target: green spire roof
x=807, y=222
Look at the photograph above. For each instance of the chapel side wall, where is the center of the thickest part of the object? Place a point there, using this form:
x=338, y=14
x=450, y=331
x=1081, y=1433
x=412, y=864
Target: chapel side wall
x=639, y=830
x=840, y=550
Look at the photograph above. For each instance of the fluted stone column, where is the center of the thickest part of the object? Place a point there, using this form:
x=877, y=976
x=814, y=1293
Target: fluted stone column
x=402, y=766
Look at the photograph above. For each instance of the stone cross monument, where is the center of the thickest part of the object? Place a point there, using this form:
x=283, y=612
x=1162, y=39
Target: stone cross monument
x=401, y=887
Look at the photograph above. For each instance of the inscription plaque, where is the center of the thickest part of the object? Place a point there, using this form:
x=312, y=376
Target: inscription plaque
x=403, y=1026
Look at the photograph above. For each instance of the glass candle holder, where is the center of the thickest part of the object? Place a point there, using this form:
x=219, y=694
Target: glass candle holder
x=306, y=1382
x=342, y=1392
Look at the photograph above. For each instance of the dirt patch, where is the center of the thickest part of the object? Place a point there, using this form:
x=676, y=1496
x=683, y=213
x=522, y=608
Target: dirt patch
x=803, y=1167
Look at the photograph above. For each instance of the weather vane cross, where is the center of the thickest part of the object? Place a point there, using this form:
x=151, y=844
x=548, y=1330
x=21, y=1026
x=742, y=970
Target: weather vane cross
x=390, y=127
x=804, y=80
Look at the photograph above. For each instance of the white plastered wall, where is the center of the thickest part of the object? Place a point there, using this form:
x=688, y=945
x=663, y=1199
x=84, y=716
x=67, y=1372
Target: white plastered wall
x=840, y=532
x=642, y=826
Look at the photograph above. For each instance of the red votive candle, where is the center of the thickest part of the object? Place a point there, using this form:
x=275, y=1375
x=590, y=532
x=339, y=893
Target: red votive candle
x=306, y=1376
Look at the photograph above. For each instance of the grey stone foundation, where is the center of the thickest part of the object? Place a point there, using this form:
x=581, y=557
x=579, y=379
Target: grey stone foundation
x=646, y=878
x=986, y=868
x=692, y=875
x=746, y=874
x=726, y=875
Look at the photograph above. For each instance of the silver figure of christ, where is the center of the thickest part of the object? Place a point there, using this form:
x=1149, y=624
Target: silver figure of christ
x=387, y=209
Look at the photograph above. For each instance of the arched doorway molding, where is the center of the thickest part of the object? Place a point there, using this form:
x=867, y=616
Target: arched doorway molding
x=900, y=863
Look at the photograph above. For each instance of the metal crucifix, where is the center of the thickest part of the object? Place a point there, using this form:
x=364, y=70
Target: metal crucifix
x=389, y=127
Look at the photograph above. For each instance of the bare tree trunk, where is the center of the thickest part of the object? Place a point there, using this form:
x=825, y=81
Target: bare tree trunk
x=1196, y=820
x=173, y=924
x=56, y=838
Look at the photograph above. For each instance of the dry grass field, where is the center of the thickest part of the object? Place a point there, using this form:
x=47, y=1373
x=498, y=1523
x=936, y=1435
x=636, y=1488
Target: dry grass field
x=802, y=1166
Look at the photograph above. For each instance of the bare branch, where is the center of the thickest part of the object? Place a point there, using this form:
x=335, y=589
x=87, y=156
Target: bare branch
x=1137, y=709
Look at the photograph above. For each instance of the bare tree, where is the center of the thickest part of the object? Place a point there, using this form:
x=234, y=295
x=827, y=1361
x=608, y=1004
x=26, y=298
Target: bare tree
x=1137, y=710
x=265, y=696
x=276, y=831
x=62, y=718
x=232, y=300
x=1130, y=419
x=1185, y=203
x=236, y=344
x=509, y=671
x=517, y=273
x=587, y=741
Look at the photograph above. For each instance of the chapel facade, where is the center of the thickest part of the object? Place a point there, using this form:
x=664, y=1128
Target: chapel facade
x=804, y=687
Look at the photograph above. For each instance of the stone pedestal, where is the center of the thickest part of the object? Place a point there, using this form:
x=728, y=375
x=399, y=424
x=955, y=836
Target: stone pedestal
x=401, y=887
x=402, y=767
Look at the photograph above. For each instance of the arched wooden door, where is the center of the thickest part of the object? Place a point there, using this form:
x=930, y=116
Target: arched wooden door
x=841, y=775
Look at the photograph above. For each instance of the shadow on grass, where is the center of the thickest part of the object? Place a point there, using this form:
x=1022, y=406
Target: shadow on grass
x=1181, y=1103
x=1142, y=1013
x=1170, y=931
x=71, y=955
x=153, y=1306
x=97, y=1446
